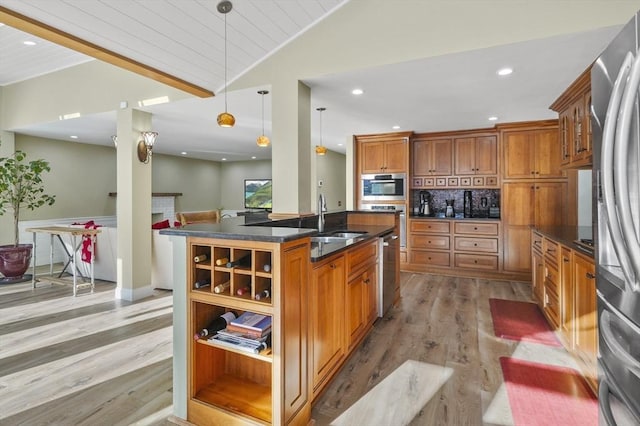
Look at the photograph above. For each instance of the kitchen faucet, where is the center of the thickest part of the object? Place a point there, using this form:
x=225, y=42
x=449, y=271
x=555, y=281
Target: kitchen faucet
x=322, y=207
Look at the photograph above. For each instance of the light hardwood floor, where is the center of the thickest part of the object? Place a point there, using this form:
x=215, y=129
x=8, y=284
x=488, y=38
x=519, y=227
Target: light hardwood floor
x=91, y=360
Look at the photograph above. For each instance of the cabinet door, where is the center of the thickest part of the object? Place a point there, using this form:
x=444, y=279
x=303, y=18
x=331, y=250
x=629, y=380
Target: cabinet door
x=372, y=157
x=547, y=154
x=565, y=133
x=537, y=277
x=326, y=300
x=371, y=294
x=421, y=157
x=486, y=153
x=566, y=297
x=517, y=248
x=355, y=311
x=577, y=115
x=517, y=203
x=442, y=157
x=395, y=155
x=465, y=156
x=518, y=159
x=550, y=207
x=585, y=310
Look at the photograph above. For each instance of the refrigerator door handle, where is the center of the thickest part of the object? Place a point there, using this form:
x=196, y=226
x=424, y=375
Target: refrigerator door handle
x=622, y=148
x=622, y=354
x=607, y=172
x=603, y=401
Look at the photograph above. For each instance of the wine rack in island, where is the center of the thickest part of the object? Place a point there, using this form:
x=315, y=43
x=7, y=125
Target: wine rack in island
x=232, y=385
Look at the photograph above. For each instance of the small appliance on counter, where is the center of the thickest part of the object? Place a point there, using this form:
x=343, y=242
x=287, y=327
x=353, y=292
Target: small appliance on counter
x=494, y=212
x=425, y=204
x=449, y=211
x=468, y=201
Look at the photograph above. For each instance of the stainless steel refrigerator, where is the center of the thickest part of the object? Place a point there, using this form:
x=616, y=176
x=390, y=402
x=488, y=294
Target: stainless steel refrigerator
x=615, y=79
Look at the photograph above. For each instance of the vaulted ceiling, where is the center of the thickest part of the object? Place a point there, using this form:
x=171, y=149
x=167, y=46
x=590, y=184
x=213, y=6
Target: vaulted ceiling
x=185, y=39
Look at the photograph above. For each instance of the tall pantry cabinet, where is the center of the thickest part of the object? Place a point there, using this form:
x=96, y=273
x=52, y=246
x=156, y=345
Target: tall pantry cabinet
x=534, y=188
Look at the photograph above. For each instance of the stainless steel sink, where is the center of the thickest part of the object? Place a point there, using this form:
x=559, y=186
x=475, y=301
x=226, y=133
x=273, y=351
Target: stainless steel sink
x=348, y=235
x=331, y=239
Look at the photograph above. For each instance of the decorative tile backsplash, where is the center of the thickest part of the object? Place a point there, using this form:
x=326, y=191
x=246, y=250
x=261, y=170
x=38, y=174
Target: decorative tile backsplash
x=438, y=197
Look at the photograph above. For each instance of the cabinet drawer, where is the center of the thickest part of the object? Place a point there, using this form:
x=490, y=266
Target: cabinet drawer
x=551, y=250
x=476, y=228
x=486, y=245
x=552, y=307
x=476, y=261
x=416, y=182
x=465, y=181
x=441, y=181
x=360, y=257
x=440, y=242
x=430, y=226
x=452, y=181
x=551, y=278
x=478, y=181
x=491, y=181
x=436, y=258
x=536, y=242
x=428, y=182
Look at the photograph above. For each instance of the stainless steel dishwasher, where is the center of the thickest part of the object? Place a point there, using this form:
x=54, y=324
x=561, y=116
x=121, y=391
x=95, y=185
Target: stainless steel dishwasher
x=387, y=264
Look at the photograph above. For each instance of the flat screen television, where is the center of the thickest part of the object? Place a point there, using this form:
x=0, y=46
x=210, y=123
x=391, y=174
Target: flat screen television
x=257, y=194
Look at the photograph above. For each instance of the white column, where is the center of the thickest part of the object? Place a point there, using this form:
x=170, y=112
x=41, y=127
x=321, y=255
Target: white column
x=291, y=142
x=7, y=148
x=133, y=208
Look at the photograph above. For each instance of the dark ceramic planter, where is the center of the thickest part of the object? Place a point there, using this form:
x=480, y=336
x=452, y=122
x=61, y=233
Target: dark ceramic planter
x=14, y=261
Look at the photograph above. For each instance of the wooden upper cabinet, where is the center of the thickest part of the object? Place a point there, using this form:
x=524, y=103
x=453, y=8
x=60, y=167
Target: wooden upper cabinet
x=532, y=154
x=432, y=157
x=383, y=155
x=574, y=112
x=476, y=155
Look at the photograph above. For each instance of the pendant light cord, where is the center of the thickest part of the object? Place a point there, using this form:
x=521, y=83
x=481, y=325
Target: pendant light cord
x=225, y=62
x=263, y=114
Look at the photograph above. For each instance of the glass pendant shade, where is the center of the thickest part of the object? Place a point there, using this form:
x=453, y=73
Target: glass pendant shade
x=321, y=150
x=226, y=120
x=263, y=141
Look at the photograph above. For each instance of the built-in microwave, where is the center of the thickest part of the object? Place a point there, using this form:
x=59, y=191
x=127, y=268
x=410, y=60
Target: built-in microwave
x=387, y=187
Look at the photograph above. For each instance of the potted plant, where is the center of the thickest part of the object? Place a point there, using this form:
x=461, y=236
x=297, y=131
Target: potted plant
x=21, y=186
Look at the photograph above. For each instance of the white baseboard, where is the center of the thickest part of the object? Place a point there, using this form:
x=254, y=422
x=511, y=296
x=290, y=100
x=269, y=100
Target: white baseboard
x=133, y=294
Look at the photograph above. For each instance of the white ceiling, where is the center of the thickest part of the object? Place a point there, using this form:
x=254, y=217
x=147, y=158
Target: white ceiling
x=184, y=38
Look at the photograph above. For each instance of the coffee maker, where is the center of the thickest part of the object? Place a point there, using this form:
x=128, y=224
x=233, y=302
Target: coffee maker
x=468, y=202
x=425, y=203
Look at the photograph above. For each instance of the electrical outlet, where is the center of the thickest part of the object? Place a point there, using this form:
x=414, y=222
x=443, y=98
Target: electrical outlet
x=339, y=203
x=320, y=183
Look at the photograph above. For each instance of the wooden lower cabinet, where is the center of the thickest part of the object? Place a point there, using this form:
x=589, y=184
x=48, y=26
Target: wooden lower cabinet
x=567, y=313
x=361, y=304
x=586, y=321
x=456, y=245
x=227, y=385
x=326, y=312
x=564, y=285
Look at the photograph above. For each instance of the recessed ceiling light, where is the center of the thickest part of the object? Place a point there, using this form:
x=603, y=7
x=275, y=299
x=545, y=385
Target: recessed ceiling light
x=184, y=153
x=154, y=101
x=357, y=91
x=396, y=127
x=505, y=71
x=493, y=118
x=69, y=116
x=224, y=159
x=339, y=144
x=73, y=137
x=29, y=43
x=253, y=157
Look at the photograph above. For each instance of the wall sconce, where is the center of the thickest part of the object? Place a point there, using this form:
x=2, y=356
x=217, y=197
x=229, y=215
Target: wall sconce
x=145, y=146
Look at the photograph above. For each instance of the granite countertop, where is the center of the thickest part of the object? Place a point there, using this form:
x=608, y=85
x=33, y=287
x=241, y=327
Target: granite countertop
x=245, y=229
x=567, y=235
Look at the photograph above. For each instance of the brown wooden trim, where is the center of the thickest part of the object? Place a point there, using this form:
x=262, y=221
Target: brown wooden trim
x=382, y=136
x=575, y=90
x=540, y=124
x=54, y=35
x=491, y=131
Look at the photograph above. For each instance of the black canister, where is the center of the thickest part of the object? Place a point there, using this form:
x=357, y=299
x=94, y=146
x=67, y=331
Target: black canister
x=468, y=200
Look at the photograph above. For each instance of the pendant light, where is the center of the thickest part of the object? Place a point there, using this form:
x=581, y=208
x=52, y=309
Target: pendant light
x=263, y=141
x=224, y=118
x=320, y=149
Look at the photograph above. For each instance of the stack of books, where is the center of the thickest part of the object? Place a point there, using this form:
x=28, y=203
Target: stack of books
x=250, y=332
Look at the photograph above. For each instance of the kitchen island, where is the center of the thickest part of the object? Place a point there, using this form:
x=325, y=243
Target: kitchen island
x=215, y=385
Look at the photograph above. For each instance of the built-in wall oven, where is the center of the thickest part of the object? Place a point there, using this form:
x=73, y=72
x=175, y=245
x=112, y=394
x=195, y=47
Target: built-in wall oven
x=387, y=187
x=392, y=207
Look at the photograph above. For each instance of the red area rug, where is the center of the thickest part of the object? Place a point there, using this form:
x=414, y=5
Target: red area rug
x=541, y=394
x=521, y=321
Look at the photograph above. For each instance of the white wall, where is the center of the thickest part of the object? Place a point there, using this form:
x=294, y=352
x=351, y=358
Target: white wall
x=585, y=210
x=331, y=170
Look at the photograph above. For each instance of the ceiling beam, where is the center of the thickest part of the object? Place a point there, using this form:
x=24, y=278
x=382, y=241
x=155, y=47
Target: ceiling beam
x=54, y=35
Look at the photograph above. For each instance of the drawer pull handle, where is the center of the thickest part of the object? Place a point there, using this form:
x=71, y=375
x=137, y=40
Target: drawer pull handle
x=475, y=244
x=590, y=275
x=475, y=228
